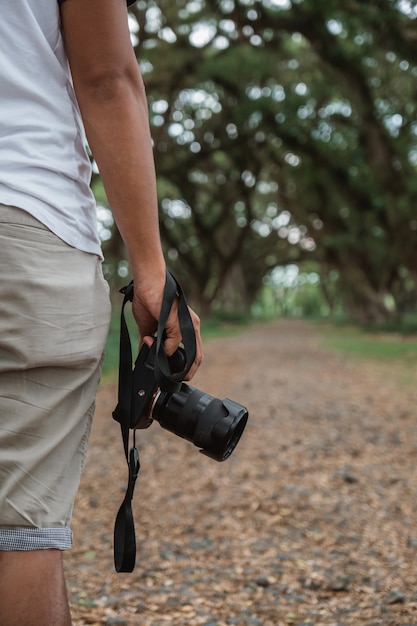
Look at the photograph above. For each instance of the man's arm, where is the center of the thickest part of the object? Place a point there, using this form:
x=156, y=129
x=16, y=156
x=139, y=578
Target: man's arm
x=112, y=101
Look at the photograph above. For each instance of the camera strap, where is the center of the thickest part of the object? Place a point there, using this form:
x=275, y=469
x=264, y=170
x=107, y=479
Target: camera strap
x=124, y=529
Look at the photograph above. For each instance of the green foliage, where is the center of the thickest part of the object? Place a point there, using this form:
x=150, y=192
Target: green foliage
x=293, y=291
x=285, y=133
x=376, y=345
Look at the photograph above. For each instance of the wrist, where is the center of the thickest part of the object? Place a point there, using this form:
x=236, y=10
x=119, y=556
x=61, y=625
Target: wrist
x=147, y=273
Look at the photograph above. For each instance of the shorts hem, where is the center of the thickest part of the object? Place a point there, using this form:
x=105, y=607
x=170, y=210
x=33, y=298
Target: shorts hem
x=35, y=539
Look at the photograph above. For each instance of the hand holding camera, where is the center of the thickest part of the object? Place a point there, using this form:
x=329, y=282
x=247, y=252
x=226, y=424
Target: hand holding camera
x=146, y=307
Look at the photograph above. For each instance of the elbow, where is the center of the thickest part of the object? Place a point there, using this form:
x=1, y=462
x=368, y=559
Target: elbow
x=109, y=84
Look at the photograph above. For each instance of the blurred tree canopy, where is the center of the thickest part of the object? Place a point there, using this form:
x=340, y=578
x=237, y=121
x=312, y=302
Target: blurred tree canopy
x=285, y=132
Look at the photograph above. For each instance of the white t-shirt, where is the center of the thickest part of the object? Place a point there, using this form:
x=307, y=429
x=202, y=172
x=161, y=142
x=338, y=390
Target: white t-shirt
x=44, y=167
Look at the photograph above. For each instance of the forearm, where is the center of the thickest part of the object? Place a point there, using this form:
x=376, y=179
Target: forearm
x=115, y=116
x=112, y=101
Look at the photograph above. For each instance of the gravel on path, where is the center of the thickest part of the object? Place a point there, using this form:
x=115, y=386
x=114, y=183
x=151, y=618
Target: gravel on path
x=311, y=522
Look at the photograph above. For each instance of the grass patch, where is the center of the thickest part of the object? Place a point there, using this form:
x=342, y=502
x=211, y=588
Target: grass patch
x=372, y=344
x=215, y=328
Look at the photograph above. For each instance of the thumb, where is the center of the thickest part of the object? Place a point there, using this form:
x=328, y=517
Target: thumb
x=148, y=340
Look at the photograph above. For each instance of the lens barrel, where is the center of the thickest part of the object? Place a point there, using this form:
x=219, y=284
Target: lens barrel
x=213, y=425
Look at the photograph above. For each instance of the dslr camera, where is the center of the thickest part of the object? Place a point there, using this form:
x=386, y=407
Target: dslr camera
x=154, y=389
x=213, y=425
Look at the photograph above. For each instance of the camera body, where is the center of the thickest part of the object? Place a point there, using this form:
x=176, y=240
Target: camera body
x=213, y=425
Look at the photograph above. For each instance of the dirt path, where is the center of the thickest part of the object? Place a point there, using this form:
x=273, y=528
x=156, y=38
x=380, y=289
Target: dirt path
x=312, y=521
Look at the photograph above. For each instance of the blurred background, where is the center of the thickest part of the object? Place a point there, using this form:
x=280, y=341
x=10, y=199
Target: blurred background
x=285, y=141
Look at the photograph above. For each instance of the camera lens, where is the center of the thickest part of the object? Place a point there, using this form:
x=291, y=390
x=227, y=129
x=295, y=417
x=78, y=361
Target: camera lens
x=211, y=424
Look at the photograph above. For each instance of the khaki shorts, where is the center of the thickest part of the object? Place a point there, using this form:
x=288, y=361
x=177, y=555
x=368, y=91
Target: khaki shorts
x=54, y=317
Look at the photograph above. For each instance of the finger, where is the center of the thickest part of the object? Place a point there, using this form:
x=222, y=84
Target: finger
x=172, y=329
x=148, y=340
x=199, y=347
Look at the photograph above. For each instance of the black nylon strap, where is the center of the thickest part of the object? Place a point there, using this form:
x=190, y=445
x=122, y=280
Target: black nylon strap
x=122, y=410
x=124, y=529
x=165, y=379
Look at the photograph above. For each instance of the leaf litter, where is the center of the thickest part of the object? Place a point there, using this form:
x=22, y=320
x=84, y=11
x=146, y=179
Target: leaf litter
x=311, y=522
